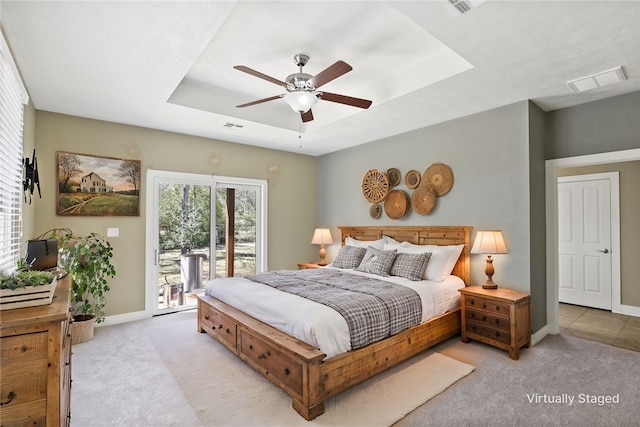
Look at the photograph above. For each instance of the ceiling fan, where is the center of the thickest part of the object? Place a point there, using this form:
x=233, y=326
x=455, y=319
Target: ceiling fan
x=301, y=87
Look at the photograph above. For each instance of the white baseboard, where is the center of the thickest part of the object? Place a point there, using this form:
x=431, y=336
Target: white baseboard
x=629, y=310
x=126, y=317
x=538, y=336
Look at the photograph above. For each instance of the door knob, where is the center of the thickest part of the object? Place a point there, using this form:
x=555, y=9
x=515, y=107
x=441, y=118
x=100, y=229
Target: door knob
x=604, y=251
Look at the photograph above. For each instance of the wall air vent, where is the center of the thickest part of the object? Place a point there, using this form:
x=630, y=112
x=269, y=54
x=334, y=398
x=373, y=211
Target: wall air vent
x=603, y=78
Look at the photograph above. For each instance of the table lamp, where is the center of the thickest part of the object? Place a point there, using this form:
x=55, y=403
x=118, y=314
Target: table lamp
x=322, y=236
x=489, y=242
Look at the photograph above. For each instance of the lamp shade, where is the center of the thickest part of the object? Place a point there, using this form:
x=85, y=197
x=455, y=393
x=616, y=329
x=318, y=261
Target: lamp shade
x=489, y=242
x=300, y=101
x=322, y=236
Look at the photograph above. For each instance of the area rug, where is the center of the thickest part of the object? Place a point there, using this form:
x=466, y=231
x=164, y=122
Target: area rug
x=224, y=391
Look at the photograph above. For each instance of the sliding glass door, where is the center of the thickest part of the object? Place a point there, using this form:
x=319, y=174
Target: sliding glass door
x=201, y=227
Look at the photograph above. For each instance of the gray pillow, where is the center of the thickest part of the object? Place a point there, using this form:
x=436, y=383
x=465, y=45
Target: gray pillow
x=411, y=266
x=377, y=262
x=349, y=257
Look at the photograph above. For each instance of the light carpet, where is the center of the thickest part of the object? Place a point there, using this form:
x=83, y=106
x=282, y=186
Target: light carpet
x=221, y=390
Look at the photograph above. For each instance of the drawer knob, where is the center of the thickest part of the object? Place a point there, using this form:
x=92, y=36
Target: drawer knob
x=497, y=334
x=227, y=330
x=473, y=315
x=219, y=326
x=497, y=308
x=484, y=318
x=206, y=317
x=472, y=302
x=286, y=371
x=250, y=346
x=484, y=305
x=10, y=397
x=262, y=356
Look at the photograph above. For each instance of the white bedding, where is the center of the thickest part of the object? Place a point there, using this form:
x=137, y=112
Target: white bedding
x=317, y=324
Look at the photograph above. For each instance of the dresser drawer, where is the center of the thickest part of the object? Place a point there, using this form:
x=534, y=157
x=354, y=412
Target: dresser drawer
x=489, y=305
x=220, y=326
x=488, y=332
x=271, y=361
x=23, y=355
x=488, y=319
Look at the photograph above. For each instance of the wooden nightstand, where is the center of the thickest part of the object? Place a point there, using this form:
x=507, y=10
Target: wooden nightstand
x=498, y=317
x=305, y=265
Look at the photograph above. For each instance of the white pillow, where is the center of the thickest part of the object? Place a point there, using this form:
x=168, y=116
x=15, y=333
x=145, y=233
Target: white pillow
x=441, y=263
x=378, y=244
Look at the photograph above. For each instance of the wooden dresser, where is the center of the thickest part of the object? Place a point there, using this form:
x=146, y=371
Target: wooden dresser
x=35, y=368
x=498, y=317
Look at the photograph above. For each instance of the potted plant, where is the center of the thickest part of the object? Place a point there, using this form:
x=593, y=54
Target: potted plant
x=25, y=288
x=87, y=260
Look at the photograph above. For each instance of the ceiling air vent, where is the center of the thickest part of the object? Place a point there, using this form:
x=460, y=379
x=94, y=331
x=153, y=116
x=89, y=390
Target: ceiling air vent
x=603, y=78
x=461, y=6
x=233, y=126
x=464, y=6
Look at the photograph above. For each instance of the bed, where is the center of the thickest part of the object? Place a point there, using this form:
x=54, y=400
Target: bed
x=305, y=372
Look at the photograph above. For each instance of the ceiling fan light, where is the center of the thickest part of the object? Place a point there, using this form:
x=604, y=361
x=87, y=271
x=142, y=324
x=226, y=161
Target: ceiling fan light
x=300, y=101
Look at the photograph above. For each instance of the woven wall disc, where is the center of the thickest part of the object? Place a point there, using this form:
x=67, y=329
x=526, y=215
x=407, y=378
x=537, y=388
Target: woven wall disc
x=412, y=179
x=423, y=199
x=396, y=204
x=375, y=211
x=440, y=177
x=394, y=176
x=375, y=186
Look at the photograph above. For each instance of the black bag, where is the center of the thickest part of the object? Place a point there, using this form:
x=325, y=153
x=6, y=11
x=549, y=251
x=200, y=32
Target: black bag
x=42, y=254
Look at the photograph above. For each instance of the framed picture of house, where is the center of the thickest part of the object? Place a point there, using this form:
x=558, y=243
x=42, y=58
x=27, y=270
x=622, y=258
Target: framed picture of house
x=93, y=185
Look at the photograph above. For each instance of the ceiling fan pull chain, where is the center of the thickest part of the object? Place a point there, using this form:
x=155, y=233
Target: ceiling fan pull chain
x=300, y=133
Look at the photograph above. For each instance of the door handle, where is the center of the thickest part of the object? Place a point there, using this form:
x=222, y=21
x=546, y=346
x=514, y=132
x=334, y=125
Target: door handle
x=604, y=251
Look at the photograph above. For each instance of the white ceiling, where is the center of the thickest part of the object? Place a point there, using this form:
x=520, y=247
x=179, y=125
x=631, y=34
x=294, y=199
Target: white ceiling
x=168, y=64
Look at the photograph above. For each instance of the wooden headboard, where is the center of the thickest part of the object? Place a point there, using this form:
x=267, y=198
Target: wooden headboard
x=421, y=235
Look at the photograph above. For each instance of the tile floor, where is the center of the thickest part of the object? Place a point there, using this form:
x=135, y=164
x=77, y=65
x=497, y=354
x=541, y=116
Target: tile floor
x=592, y=324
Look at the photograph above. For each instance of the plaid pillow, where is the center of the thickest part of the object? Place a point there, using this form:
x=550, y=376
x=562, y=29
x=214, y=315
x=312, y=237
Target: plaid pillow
x=349, y=257
x=377, y=262
x=411, y=266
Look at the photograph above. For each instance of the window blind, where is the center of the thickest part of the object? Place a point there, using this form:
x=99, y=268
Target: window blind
x=13, y=96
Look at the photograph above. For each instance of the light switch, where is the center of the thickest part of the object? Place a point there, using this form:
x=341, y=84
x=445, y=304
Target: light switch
x=113, y=232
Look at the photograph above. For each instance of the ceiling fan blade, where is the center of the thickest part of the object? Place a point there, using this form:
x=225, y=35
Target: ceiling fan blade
x=259, y=101
x=259, y=74
x=331, y=73
x=307, y=117
x=347, y=100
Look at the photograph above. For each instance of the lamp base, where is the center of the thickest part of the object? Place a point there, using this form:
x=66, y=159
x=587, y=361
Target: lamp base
x=489, y=284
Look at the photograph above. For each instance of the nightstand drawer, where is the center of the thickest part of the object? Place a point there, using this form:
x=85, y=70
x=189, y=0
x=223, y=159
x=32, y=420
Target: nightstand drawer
x=487, y=319
x=488, y=305
x=488, y=332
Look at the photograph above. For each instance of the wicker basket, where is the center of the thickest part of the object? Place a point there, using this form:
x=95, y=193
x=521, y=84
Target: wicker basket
x=440, y=177
x=423, y=199
x=396, y=203
x=82, y=331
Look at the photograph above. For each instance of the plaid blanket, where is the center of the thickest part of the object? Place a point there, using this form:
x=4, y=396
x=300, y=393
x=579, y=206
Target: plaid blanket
x=374, y=309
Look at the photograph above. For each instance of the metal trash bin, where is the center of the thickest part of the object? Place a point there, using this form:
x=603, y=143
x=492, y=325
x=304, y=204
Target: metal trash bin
x=191, y=271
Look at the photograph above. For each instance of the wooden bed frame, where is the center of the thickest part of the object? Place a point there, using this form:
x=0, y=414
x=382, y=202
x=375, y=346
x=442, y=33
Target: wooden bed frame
x=298, y=368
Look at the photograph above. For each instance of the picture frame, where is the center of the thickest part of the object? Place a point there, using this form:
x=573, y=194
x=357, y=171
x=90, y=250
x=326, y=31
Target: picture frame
x=90, y=185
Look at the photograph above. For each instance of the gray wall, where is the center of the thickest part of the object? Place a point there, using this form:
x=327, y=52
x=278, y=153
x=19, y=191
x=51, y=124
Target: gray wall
x=489, y=155
x=537, y=214
x=611, y=124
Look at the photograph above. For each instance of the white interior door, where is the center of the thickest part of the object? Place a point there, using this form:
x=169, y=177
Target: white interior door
x=584, y=241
